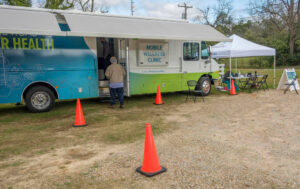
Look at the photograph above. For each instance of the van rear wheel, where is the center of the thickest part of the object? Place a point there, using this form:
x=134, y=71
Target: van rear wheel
x=204, y=84
x=39, y=99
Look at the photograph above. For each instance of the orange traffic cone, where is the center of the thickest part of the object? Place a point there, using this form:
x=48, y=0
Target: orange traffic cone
x=232, y=88
x=158, y=100
x=79, y=119
x=151, y=164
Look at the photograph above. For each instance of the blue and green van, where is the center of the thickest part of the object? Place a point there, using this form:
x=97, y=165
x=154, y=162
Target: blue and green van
x=40, y=68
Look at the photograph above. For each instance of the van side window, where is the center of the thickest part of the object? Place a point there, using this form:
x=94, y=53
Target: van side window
x=204, y=51
x=190, y=51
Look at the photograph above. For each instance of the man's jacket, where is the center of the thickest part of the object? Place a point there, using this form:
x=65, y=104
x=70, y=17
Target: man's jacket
x=115, y=73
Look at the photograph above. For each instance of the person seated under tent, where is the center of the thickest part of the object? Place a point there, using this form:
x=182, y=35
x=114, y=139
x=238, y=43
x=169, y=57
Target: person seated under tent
x=226, y=80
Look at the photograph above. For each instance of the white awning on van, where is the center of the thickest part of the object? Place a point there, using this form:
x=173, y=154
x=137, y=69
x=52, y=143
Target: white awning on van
x=25, y=21
x=134, y=27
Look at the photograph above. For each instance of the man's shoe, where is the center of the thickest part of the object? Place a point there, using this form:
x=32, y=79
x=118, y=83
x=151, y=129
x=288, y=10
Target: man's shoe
x=121, y=106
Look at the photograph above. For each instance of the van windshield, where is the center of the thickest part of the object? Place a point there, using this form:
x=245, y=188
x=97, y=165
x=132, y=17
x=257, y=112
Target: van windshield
x=204, y=51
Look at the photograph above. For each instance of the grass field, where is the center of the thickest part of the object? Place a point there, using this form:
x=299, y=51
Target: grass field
x=24, y=133
x=253, y=63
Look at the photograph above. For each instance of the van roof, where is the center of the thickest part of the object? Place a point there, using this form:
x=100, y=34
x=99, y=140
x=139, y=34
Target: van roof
x=38, y=21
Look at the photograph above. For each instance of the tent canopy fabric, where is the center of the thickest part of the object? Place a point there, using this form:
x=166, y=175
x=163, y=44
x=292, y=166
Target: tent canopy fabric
x=23, y=20
x=240, y=47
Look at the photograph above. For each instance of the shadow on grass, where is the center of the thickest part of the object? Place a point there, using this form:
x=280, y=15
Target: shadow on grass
x=11, y=112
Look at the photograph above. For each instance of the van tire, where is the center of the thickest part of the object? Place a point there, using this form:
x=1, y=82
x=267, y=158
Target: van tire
x=204, y=84
x=39, y=99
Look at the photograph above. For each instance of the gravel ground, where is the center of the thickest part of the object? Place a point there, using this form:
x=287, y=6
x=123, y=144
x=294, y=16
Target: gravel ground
x=248, y=140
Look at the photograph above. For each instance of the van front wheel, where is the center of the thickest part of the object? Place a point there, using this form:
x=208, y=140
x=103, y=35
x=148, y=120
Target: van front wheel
x=39, y=99
x=204, y=84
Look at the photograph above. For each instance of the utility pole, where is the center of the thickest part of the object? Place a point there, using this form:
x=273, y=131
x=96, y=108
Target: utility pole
x=186, y=7
x=131, y=7
x=92, y=6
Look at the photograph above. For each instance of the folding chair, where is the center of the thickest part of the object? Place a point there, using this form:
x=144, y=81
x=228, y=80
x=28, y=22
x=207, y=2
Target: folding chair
x=263, y=83
x=252, y=83
x=244, y=83
x=192, y=93
x=293, y=83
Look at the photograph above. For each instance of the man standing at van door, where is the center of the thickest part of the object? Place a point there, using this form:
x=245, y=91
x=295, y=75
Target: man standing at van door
x=116, y=73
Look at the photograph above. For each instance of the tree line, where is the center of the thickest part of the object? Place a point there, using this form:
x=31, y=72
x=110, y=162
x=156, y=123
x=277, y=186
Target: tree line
x=274, y=23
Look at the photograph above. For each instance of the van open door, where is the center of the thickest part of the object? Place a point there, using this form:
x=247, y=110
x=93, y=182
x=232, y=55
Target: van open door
x=123, y=59
x=119, y=49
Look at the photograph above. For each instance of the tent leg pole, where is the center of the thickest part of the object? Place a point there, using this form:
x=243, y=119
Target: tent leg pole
x=236, y=65
x=230, y=71
x=274, y=75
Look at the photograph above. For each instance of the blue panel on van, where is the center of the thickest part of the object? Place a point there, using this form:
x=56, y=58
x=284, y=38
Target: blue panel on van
x=64, y=27
x=66, y=63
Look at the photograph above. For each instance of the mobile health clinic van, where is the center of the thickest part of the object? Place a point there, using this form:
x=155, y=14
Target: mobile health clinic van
x=54, y=54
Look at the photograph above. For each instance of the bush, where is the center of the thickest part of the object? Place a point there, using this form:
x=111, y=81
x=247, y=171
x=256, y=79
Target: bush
x=288, y=60
x=254, y=63
x=293, y=60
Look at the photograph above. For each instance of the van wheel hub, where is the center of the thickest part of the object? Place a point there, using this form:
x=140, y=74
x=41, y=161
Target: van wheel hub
x=40, y=100
x=206, y=86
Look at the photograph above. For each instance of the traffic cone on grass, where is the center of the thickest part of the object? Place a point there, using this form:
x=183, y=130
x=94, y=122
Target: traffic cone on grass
x=79, y=118
x=158, y=100
x=151, y=166
x=232, y=88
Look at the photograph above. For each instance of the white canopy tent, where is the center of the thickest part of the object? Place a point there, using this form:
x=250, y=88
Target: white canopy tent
x=240, y=47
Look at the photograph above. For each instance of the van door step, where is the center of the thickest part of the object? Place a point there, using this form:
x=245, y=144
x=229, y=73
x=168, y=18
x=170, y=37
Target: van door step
x=103, y=83
x=104, y=92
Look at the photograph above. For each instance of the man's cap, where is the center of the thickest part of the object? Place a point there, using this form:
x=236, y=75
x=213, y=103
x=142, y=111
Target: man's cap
x=113, y=59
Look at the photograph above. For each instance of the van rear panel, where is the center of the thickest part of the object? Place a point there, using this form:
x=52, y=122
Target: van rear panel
x=65, y=63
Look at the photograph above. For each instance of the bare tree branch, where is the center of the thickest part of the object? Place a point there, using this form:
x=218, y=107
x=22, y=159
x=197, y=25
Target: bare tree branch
x=284, y=14
x=219, y=16
x=89, y=5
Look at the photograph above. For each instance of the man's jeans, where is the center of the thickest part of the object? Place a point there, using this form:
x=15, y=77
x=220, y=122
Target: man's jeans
x=116, y=92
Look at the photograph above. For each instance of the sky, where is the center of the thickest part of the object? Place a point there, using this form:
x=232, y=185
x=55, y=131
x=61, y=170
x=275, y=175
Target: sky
x=168, y=8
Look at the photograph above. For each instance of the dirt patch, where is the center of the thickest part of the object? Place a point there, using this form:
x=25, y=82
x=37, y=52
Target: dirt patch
x=79, y=154
x=248, y=140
